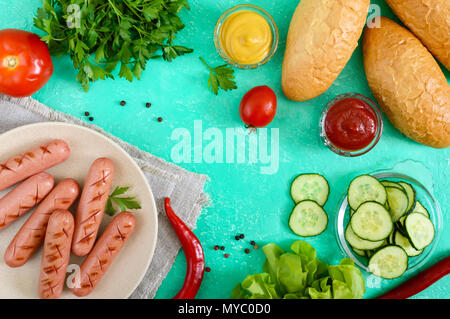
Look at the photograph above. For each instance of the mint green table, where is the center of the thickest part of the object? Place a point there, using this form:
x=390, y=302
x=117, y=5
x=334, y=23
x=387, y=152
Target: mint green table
x=244, y=200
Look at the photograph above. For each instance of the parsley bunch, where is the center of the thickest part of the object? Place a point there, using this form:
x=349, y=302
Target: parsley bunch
x=124, y=203
x=99, y=35
x=220, y=77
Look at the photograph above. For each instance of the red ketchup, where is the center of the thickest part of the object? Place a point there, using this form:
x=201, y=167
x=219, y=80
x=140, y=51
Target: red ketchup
x=351, y=124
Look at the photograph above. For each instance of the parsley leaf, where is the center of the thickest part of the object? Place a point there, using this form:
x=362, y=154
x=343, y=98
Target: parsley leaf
x=221, y=77
x=124, y=203
x=100, y=35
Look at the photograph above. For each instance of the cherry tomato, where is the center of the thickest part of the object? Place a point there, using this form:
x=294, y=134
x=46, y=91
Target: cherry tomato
x=25, y=63
x=258, y=106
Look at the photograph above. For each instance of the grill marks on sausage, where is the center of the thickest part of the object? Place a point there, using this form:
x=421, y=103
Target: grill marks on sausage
x=19, y=159
x=56, y=254
x=97, y=198
x=105, y=177
x=90, y=281
x=45, y=150
x=51, y=269
x=4, y=167
x=60, y=202
x=22, y=209
x=92, y=205
x=111, y=250
x=32, y=233
x=65, y=232
x=92, y=215
x=103, y=259
x=119, y=235
x=86, y=239
x=3, y=223
x=36, y=197
x=91, y=220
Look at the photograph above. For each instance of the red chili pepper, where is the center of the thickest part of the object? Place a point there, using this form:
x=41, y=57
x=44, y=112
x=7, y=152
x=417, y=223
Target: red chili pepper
x=194, y=255
x=420, y=282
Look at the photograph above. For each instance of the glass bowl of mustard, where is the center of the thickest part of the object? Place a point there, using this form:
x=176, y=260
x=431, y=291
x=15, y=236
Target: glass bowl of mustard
x=246, y=36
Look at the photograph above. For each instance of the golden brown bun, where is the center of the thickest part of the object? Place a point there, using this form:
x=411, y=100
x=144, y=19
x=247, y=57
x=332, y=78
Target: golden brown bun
x=408, y=83
x=322, y=37
x=429, y=21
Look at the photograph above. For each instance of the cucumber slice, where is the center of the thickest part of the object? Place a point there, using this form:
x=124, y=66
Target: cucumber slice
x=308, y=219
x=310, y=187
x=369, y=253
x=420, y=230
x=398, y=202
x=372, y=221
x=421, y=210
x=411, y=193
x=359, y=252
x=403, y=242
x=392, y=184
x=400, y=226
x=359, y=243
x=389, y=262
x=386, y=205
x=390, y=239
x=365, y=188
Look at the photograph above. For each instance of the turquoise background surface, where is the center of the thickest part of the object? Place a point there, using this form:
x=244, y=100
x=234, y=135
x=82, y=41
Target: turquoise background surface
x=243, y=199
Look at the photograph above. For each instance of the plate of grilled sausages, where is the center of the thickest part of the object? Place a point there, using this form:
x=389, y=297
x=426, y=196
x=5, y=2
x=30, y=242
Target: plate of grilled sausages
x=56, y=241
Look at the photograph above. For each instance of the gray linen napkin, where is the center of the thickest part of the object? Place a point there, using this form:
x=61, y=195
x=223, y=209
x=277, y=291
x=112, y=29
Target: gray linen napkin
x=166, y=180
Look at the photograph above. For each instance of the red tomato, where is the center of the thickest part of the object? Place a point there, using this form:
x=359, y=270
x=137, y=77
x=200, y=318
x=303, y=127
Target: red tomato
x=25, y=63
x=258, y=106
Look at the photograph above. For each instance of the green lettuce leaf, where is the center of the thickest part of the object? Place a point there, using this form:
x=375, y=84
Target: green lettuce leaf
x=258, y=286
x=300, y=275
x=291, y=276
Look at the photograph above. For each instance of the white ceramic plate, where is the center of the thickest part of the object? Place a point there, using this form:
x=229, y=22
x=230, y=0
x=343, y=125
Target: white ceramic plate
x=129, y=267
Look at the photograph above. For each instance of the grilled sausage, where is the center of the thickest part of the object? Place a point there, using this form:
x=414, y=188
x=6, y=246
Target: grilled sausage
x=32, y=233
x=92, y=205
x=105, y=250
x=34, y=161
x=24, y=197
x=56, y=255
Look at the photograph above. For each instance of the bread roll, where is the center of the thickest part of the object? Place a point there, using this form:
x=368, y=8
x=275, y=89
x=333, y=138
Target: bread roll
x=408, y=83
x=322, y=37
x=429, y=21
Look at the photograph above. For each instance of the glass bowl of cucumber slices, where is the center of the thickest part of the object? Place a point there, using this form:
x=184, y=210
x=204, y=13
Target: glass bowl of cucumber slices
x=388, y=223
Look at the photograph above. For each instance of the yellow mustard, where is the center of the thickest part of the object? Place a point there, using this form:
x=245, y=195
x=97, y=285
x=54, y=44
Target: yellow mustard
x=246, y=37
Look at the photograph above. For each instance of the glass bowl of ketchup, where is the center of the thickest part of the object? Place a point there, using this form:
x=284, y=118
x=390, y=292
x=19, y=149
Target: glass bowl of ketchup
x=351, y=125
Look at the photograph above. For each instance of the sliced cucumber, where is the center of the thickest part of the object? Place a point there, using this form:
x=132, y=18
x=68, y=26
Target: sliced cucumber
x=310, y=187
x=369, y=253
x=389, y=262
x=365, y=188
x=372, y=221
x=420, y=230
x=308, y=219
x=421, y=210
x=411, y=193
x=392, y=184
x=386, y=205
x=359, y=243
x=359, y=252
x=390, y=239
x=398, y=202
x=403, y=242
x=400, y=226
